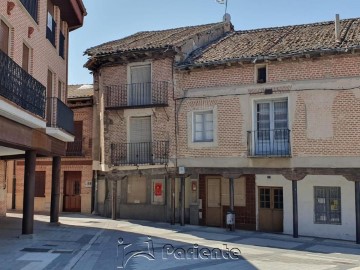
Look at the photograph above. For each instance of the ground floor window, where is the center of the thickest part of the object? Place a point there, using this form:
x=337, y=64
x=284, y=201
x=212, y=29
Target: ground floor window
x=136, y=189
x=327, y=206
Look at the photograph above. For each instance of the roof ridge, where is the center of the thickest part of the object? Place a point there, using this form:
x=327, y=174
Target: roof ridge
x=294, y=25
x=87, y=51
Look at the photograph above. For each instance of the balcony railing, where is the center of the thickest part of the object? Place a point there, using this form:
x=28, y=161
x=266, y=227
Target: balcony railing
x=267, y=143
x=32, y=7
x=149, y=94
x=62, y=45
x=151, y=153
x=74, y=149
x=59, y=115
x=20, y=87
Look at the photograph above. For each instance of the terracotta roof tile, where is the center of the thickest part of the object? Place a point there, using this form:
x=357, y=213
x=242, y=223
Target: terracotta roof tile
x=80, y=90
x=149, y=40
x=279, y=41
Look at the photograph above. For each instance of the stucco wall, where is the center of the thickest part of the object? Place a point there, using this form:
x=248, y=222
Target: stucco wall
x=307, y=227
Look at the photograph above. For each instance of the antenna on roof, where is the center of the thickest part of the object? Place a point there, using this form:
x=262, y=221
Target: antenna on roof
x=223, y=2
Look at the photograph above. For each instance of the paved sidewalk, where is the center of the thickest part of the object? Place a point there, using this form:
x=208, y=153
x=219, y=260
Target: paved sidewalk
x=91, y=242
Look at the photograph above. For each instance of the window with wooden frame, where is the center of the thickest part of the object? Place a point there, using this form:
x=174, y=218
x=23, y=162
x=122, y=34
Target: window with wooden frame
x=4, y=37
x=40, y=178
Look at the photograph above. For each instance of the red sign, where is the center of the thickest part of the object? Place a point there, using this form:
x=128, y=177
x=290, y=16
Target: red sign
x=158, y=189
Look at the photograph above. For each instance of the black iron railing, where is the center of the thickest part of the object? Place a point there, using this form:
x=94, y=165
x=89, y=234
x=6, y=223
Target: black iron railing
x=32, y=7
x=62, y=45
x=59, y=115
x=147, y=94
x=274, y=142
x=156, y=152
x=51, y=30
x=20, y=87
x=74, y=149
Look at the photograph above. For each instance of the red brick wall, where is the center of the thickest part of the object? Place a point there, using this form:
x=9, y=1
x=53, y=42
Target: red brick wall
x=115, y=122
x=44, y=55
x=233, y=124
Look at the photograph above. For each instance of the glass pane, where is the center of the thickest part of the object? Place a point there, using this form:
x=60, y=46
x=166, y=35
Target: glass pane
x=209, y=135
x=198, y=127
x=198, y=118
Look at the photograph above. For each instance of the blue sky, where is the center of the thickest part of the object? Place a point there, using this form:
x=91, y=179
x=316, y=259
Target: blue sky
x=113, y=19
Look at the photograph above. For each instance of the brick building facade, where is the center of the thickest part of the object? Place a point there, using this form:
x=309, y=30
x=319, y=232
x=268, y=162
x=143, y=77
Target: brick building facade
x=283, y=108
x=33, y=79
x=260, y=122
x=135, y=153
x=76, y=175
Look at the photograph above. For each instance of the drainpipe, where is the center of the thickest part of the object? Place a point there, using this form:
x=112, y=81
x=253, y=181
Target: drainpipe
x=13, y=201
x=95, y=184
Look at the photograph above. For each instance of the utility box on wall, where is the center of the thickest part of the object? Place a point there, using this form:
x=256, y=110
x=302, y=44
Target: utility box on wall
x=194, y=214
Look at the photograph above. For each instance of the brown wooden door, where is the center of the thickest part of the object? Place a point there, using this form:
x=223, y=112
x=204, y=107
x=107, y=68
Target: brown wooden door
x=72, y=191
x=271, y=214
x=213, y=211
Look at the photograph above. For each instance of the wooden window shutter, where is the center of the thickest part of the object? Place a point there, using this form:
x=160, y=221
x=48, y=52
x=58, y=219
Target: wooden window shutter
x=25, y=58
x=78, y=130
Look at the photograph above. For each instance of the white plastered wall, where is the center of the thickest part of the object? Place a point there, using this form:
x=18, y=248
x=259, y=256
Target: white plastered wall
x=307, y=227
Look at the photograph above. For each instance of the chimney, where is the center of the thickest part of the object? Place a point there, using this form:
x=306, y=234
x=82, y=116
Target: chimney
x=337, y=28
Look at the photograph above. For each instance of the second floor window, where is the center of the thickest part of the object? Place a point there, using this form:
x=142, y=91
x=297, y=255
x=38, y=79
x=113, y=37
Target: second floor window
x=50, y=23
x=4, y=37
x=203, y=127
x=140, y=85
x=271, y=127
x=32, y=7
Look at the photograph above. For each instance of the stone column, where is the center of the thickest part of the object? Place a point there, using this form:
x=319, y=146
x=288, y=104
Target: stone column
x=29, y=192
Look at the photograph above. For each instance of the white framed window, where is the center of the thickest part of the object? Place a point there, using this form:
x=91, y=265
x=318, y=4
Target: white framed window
x=203, y=126
x=271, y=135
x=327, y=205
x=140, y=84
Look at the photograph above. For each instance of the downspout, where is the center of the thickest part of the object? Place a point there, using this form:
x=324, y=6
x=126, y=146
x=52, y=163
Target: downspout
x=13, y=201
x=176, y=150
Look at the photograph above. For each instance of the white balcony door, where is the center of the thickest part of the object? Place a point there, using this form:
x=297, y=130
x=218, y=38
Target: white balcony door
x=140, y=85
x=271, y=134
x=140, y=145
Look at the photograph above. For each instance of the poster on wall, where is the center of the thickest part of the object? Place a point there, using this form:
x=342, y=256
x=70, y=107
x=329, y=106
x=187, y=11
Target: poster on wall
x=157, y=193
x=158, y=189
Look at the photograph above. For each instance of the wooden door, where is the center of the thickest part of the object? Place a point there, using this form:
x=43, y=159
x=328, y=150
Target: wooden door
x=213, y=195
x=72, y=191
x=271, y=213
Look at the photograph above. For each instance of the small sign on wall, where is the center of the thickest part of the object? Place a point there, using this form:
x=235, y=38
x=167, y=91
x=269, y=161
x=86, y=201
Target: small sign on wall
x=88, y=184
